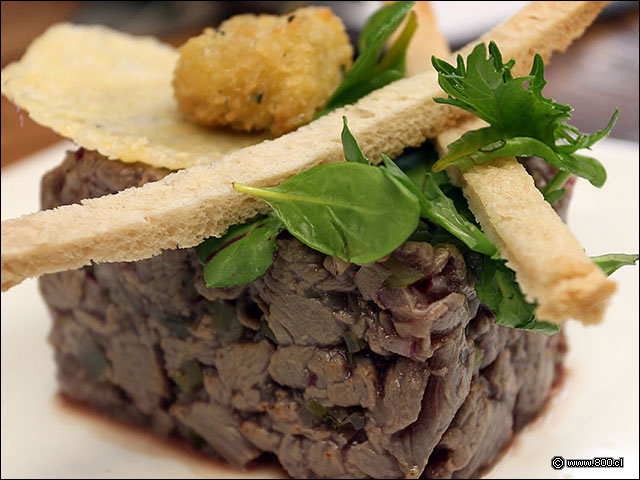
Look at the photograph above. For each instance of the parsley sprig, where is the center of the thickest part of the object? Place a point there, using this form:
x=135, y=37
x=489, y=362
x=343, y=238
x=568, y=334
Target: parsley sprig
x=522, y=122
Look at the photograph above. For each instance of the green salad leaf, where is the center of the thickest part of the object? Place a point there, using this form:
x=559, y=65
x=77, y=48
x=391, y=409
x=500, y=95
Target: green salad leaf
x=440, y=209
x=522, y=122
x=370, y=72
x=611, y=262
x=352, y=152
x=242, y=255
x=497, y=289
x=352, y=211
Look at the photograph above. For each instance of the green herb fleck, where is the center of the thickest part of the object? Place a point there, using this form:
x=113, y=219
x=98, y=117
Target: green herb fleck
x=267, y=332
x=93, y=360
x=354, y=345
x=402, y=275
x=189, y=377
x=177, y=326
x=336, y=418
x=225, y=322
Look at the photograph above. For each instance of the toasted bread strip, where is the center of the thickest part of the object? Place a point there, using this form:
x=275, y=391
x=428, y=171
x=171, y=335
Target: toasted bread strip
x=427, y=40
x=550, y=264
x=187, y=206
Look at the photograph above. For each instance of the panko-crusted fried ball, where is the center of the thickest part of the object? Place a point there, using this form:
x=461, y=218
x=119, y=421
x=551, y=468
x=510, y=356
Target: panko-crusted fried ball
x=263, y=72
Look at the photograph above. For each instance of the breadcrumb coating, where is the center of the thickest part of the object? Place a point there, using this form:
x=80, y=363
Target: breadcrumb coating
x=263, y=72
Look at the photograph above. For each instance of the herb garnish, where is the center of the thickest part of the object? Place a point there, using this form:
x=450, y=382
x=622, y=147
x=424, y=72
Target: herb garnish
x=437, y=207
x=497, y=289
x=369, y=74
x=611, y=262
x=360, y=212
x=240, y=256
x=336, y=417
x=352, y=210
x=522, y=121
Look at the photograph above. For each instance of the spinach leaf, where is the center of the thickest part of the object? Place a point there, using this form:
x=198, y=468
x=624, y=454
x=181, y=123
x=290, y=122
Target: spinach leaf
x=417, y=162
x=497, y=289
x=437, y=207
x=240, y=256
x=522, y=121
x=356, y=212
x=367, y=74
x=611, y=262
x=352, y=152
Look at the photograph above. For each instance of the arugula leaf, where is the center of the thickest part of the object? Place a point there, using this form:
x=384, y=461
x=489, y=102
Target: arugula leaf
x=437, y=207
x=240, y=256
x=355, y=212
x=611, y=262
x=522, y=121
x=366, y=74
x=497, y=289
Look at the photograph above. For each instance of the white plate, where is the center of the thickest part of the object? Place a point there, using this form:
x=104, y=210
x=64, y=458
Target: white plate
x=595, y=414
x=464, y=21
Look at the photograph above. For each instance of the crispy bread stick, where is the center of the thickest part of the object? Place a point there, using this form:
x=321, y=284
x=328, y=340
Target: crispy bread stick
x=190, y=205
x=550, y=264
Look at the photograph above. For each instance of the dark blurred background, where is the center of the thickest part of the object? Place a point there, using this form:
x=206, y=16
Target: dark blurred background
x=598, y=73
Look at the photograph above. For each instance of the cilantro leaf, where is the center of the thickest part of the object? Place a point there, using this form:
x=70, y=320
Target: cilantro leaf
x=611, y=262
x=370, y=72
x=522, y=121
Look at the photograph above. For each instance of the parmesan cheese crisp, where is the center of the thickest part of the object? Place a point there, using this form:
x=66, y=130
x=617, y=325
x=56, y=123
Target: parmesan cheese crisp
x=111, y=92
